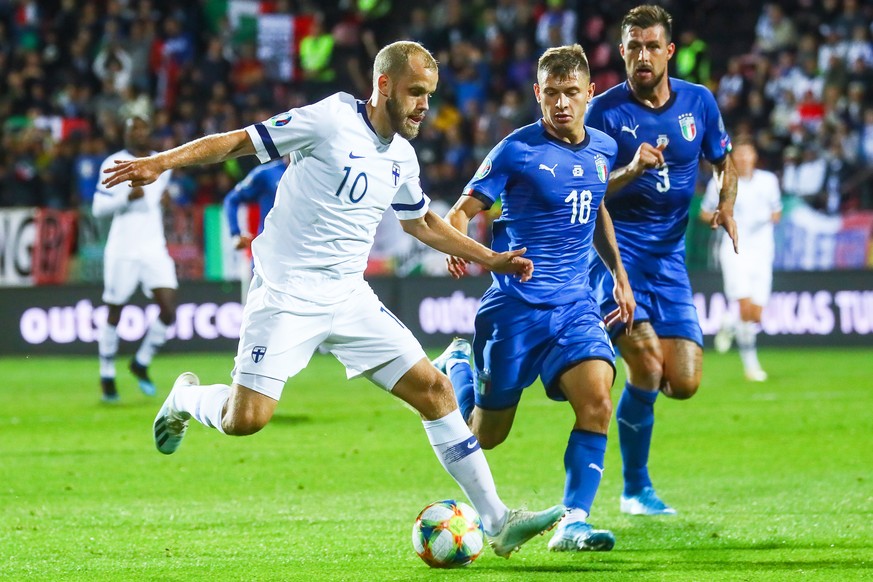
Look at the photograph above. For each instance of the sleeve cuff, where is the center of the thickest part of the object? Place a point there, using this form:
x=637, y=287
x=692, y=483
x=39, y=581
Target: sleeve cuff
x=412, y=211
x=260, y=149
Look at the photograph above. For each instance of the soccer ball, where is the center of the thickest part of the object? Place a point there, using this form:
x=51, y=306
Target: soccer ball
x=448, y=534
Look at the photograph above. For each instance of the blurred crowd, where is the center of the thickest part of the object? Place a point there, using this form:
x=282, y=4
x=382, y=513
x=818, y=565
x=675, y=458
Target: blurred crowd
x=796, y=75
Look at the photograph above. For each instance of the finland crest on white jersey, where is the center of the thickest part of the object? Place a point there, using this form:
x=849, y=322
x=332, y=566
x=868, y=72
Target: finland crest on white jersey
x=137, y=227
x=341, y=178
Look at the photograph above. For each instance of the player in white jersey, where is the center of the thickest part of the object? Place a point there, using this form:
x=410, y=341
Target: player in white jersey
x=748, y=275
x=135, y=256
x=350, y=160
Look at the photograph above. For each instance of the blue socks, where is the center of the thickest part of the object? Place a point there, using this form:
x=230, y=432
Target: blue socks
x=636, y=417
x=583, y=461
x=461, y=375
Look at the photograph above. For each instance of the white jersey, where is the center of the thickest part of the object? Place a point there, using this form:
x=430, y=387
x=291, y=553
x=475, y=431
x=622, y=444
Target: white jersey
x=137, y=226
x=341, y=178
x=758, y=197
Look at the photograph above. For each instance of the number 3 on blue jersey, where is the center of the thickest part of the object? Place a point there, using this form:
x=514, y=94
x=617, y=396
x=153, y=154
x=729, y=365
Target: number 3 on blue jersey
x=581, y=206
x=664, y=172
x=355, y=187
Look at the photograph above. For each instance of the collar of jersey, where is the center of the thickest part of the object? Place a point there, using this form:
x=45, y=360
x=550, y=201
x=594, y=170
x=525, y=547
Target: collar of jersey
x=362, y=109
x=655, y=110
x=570, y=146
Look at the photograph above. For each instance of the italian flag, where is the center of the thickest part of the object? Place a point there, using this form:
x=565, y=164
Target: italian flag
x=223, y=261
x=277, y=35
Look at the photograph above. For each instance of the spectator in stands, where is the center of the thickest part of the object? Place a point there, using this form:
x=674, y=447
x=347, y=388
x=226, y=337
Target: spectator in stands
x=86, y=166
x=866, y=137
x=113, y=62
x=58, y=176
x=316, y=59
x=169, y=54
x=774, y=32
x=692, y=58
x=733, y=83
x=806, y=177
x=207, y=67
x=138, y=45
x=556, y=26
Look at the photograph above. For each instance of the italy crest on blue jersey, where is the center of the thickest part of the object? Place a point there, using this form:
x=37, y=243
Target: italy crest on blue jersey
x=651, y=213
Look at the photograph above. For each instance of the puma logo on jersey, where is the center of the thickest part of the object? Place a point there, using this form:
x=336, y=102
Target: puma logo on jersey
x=548, y=169
x=633, y=131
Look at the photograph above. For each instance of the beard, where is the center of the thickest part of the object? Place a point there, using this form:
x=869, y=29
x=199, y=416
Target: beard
x=399, y=121
x=647, y=86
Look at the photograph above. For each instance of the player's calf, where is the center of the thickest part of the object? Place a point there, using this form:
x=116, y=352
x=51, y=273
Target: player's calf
x=492, y=427
x=246, y=412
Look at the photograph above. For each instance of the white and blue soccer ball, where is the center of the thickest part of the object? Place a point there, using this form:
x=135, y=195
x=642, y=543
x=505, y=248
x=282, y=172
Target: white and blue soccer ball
x=448, y=534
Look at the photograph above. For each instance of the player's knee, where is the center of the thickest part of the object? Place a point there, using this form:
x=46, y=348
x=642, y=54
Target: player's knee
x=645, y=361
x=601, y=408
x=436, y=397
x=490, y=439
x=595, y=413
x=647, y=369
x=681, y=388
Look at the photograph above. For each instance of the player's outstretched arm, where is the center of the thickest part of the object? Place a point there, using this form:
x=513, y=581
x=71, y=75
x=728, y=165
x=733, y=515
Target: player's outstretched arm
x=726, y=174
x=210, y=149
x=607, y=248
x=438, y=234
x=459, y=216
x=646, y=157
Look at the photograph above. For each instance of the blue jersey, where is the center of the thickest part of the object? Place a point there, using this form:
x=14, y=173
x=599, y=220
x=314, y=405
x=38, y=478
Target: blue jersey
x=651, y=213
x=258, y=186
x=87, y=173
x=550, y=193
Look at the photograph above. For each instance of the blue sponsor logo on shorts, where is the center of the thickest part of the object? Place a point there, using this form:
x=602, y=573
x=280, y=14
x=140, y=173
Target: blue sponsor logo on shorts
x=258, y=353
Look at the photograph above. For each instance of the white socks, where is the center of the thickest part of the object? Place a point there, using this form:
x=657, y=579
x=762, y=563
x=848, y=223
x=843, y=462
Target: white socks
x=575, y=515
x=155, y=337
x=107, y=347
x=460, y=455
x=747, y=332
x=204, y=403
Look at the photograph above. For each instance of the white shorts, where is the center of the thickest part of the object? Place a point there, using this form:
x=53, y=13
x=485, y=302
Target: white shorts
x=747, y=275
x=122, y=275
x=280, y=332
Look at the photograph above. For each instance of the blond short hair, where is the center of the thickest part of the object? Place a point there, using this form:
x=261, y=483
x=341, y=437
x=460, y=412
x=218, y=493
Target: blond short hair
x=393, y=59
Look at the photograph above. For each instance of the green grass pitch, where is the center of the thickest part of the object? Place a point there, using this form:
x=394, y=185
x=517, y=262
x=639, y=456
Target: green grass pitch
x=772, y=481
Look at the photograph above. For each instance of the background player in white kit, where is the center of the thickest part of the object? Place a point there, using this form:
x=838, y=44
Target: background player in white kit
x=135, y=256
x=350, y=161
x=748, y=275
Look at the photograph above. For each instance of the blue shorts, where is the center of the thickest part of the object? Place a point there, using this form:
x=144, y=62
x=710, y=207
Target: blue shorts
x=662, y=291
x=516, y=341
